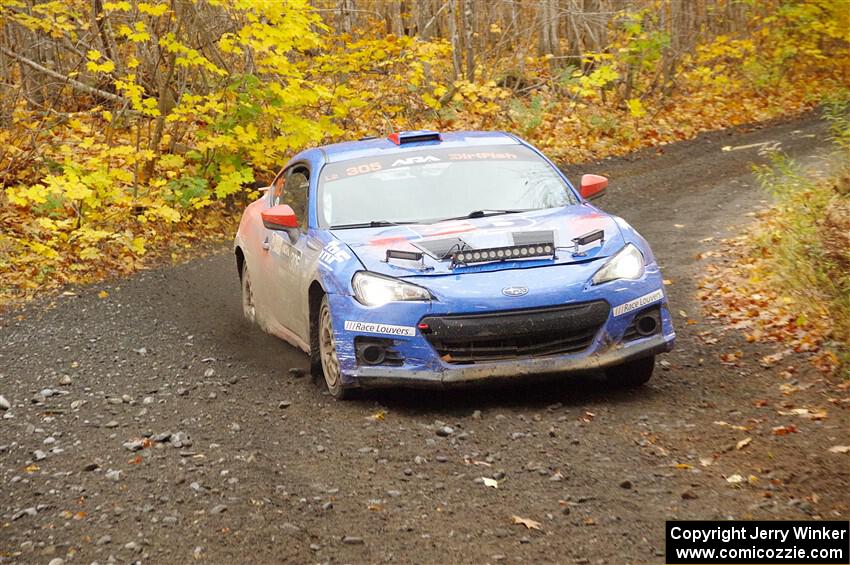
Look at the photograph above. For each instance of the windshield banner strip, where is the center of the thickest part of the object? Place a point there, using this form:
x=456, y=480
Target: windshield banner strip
x=374, y=164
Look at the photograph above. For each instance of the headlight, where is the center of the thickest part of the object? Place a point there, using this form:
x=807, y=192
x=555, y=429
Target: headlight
x=626, y=264
x=375, y=290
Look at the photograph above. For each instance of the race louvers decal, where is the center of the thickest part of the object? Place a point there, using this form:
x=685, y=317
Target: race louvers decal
x=377, y=328
x=638, y=302
x=332, y=254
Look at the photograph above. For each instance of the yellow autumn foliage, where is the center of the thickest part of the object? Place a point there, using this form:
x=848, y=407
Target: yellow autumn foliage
x=159, y=137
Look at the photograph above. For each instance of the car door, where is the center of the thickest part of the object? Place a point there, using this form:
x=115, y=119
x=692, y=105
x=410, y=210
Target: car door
x=255, y=243
x=287, y=248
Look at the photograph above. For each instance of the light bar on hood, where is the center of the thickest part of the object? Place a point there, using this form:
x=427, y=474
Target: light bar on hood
x=587, y=239
x=512, y=253
x=406, y=255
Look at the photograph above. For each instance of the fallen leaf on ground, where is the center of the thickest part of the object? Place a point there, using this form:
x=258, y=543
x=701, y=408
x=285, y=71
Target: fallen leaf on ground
x=728, y=425
x=784, y=430
x=527, y=522
x=378, y=416
x=667, y=282
x=735, y=479
x=731, y=358
x=103, y=294
x=770, y=360
x=743, y=443
x=488, y=482
x=706, y=461
x=805, y=413
x=840, y=449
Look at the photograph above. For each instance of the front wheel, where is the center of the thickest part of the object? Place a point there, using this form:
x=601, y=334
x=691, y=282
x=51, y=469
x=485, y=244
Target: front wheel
x=327, y=353
x=631, y=374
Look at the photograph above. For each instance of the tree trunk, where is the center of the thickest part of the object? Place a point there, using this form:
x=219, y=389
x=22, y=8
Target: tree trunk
x=543, y=45
x=395, y=25
x=454, y=38
x=421, y=15
x=572, y=31
x=468, y=39
x=345, y=16
x=553, y=17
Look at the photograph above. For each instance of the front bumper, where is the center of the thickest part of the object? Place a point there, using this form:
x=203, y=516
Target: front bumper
x=420, y=360
x=378, y=376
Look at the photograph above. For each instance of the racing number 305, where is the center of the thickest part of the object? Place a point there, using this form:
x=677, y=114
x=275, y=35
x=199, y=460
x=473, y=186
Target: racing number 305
x=364, y=168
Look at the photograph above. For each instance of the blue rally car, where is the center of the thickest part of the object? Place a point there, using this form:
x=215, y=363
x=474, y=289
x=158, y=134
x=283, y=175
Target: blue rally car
x=431, y=258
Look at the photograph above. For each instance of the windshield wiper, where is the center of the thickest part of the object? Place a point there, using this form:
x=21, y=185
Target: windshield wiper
x=482, y=214
x=371, y=224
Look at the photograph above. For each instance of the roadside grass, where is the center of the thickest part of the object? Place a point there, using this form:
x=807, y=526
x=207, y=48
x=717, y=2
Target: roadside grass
x=788, y=279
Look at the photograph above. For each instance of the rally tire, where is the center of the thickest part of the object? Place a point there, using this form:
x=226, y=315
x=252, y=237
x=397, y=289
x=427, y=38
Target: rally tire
x=249, y=309
x=327, y=353
x=631, y=374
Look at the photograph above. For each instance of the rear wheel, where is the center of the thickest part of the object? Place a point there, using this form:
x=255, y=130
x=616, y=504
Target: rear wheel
x=328, y=355
x=248, y=308
x=631, y=374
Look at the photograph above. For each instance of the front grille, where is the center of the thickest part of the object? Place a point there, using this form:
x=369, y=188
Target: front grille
x=468, y=338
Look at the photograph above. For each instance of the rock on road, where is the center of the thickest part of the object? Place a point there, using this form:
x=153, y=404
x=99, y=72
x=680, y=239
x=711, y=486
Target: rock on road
x=155, y=425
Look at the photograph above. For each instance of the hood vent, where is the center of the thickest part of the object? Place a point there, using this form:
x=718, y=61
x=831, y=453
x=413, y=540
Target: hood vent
x=442, y=248
x=533, y=237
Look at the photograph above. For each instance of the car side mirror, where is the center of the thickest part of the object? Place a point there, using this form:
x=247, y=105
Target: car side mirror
x=280, y=217
x=593, y=186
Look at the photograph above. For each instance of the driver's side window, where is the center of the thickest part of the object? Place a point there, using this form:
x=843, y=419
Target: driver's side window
x=292, y=187
x=276, y=191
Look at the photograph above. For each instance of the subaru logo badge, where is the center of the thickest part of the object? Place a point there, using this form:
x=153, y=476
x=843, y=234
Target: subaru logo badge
x=515, y=291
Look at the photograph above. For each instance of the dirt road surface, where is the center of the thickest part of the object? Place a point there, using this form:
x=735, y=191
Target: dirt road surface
x=154, y=425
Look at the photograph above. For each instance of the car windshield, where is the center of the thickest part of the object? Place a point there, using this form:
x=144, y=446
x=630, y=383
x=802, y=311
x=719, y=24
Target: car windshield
x=434, y=184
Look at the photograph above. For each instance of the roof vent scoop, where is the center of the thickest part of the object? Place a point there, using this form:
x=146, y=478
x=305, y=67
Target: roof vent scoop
x=405, y=137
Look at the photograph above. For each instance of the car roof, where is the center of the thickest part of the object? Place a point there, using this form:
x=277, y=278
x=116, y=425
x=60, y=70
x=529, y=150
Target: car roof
x=344, y=151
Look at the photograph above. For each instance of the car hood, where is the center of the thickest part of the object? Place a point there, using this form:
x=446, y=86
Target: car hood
x=563, y=224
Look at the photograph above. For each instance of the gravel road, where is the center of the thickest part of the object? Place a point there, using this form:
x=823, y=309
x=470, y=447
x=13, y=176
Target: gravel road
x=154, y=425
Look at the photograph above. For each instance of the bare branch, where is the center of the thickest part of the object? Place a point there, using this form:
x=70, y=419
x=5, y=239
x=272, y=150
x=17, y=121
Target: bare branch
x=64, y=79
